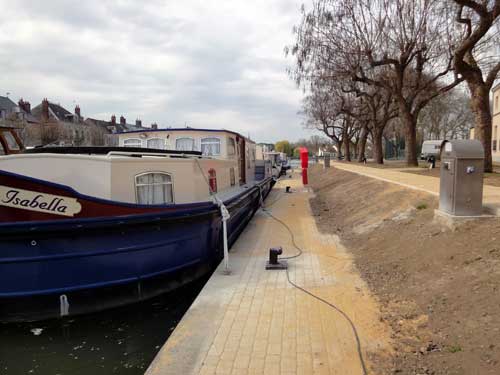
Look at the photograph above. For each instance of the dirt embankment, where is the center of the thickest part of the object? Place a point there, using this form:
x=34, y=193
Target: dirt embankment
x=438, y=289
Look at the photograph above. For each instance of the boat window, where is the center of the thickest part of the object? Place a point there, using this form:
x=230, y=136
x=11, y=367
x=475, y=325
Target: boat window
x=232, y=177
x=212, y=179
x=154, y=188
x=132, y=142
x=184, y=144
x=210, y=146
x=157, y=143
x=231, y=148
x=11, y=141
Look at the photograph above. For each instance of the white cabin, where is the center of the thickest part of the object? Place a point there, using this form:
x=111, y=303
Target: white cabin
x=131, y=178
x=218, y=144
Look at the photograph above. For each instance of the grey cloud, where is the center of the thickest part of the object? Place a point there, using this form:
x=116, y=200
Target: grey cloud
x=216, y=63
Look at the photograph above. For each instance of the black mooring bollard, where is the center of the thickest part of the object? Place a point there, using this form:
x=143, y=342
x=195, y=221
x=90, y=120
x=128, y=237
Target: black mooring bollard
x=273, y=262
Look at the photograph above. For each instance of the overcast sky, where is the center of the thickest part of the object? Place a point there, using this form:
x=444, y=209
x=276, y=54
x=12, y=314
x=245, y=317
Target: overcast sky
x=204, y=63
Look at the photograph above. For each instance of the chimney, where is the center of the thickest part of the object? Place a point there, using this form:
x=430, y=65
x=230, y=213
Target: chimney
x=138, y=122
x=154, y=126
x=25, y=106
x=113, y=120
x=123, y=121
x=77, y=111
x=45, y=110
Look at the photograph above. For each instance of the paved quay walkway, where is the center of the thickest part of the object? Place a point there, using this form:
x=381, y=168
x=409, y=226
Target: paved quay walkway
x=491, y=194
x=255, y=322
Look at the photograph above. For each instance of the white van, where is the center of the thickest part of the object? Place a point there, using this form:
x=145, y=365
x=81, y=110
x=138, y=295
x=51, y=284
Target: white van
x=431, y=148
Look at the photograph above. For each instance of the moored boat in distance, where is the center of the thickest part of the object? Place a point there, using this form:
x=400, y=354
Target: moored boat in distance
x=88, y=228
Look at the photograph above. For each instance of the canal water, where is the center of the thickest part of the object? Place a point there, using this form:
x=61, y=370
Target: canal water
x=118, y=341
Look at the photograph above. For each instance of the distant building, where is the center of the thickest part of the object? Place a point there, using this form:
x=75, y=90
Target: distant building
x=495, y=113
x=113, y=128
x=17, y=116
x=58, y=126
x=51, y=124
x=7, y=107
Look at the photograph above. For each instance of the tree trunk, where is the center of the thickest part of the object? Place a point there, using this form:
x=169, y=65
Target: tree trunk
x=347, y=143
x=480, y=104
x=355, y=147
x=362, y=145
x=378, y=151
x=339, y=151
x=410, y=125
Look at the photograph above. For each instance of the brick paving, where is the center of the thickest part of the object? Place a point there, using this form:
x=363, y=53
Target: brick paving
x=254, y=322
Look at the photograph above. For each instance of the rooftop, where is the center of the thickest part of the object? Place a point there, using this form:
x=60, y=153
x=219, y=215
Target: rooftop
x=6, y=103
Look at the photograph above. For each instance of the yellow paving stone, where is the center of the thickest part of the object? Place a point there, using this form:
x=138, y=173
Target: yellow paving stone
x=271, y=368
x=256, y=363
x=273, y=358
x=224, y=367
x=228, y=355
x=208, y=370
x=242, y=361
x=211, y=360
x=259, y=354
x=288, y=364
x=304, y=370
x=274, y=349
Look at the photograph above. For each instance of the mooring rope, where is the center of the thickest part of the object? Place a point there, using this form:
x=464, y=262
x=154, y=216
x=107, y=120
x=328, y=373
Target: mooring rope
x=225, y=216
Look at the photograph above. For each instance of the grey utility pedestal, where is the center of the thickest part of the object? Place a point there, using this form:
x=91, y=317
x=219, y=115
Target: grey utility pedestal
x=461, y=185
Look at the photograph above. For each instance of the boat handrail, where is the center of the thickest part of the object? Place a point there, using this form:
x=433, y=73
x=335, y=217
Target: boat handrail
x=162, y=155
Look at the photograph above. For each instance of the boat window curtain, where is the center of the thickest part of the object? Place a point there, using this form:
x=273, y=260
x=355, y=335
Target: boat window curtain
x=184, y=144
x=156, y=143
x=154, y=188
x=232, y=177
x=210, y=146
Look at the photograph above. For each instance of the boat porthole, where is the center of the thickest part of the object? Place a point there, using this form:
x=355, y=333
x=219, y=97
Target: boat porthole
x=33, y=243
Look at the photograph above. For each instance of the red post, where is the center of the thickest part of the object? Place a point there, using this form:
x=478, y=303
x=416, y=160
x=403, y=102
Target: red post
x=304, y=158
x=304, y=176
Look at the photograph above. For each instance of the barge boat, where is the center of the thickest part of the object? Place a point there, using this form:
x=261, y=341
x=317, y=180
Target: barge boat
x=88, y=228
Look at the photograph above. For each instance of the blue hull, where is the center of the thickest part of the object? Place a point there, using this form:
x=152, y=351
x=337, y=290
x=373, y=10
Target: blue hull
x=108, y=262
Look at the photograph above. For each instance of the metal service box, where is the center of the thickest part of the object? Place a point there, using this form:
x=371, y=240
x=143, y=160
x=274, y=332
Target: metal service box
x=326, y=160
x=461, y=185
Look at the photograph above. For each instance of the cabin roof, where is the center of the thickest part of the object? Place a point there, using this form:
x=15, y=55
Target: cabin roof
x=187, y=129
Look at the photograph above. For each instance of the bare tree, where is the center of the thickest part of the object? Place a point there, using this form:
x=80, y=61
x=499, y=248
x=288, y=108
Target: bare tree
x=447, y=117
x=401, y=46
x=377, y=108
x=325, y=113
x=473, y=59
